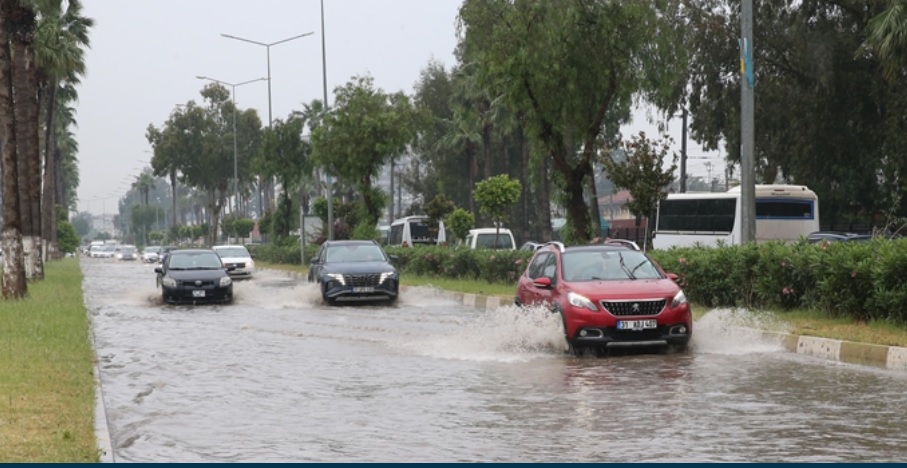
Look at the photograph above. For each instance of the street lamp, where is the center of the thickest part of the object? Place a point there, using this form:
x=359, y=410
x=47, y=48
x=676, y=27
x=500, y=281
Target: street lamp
x=324, y=74
x=267, y=45
x=235, y=151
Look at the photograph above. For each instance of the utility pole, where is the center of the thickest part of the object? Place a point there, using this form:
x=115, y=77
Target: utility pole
x=747, y=139
x=324, y=76
x=683, y=152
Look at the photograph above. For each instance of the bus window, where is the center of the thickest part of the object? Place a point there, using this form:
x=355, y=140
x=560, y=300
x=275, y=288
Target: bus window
x=784, y=209
x=697, y=215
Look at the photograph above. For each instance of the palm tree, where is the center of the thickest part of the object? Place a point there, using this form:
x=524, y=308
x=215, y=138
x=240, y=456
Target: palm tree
x=888, y=37
x=144, y=183
x=25, y=111
x=14, y=280
x=61, y=37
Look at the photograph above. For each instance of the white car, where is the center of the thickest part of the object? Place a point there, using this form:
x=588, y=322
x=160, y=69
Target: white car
x=103, y=251
x=238, y=257
x=151, y=254
x=490, y=238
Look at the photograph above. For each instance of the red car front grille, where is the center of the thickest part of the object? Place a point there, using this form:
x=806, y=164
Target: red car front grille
x=625, y=308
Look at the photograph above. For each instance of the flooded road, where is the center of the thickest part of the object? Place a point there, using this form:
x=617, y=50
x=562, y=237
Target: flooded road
x=278, y=376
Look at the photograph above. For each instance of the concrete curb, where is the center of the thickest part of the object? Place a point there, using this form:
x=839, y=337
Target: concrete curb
x=881, y=356
x=885, y=357
x=101, y=428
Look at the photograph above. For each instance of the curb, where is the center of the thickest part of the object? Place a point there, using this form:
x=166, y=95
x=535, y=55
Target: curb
x=881, y=356
x=101, y=428
x=850, y=352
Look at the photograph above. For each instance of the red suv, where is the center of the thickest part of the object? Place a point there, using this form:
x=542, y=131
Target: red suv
x=607, y=296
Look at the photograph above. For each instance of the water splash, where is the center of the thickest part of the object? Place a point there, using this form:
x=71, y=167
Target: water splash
x=736, y=331
x=506, y=334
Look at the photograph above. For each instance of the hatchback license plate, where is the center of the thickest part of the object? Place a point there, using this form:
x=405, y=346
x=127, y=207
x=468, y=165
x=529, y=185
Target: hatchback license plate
x=363, y=289
x=637, y=324
x=198, y=293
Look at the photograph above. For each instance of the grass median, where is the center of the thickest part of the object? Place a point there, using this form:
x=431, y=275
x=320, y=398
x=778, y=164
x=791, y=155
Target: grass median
x=46, y=362
x=797, y=322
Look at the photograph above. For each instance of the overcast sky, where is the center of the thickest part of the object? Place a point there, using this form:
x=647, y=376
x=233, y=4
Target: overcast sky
x=145, y=56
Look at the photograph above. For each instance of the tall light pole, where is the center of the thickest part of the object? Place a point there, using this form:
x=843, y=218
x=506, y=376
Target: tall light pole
x=267, y=46
x=324, y=76
x=747, y=130
x=235, y=151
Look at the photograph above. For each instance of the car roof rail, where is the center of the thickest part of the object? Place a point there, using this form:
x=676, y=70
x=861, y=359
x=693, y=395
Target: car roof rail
x=623, y=242
x=559, y=245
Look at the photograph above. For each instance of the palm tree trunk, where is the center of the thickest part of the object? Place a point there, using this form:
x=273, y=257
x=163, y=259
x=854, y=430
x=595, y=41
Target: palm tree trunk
x=173, y=212
x=49, y=216
x=25, y=99
x=14, y=285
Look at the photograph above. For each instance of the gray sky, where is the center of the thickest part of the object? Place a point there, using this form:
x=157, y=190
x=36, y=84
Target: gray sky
x=145, y=57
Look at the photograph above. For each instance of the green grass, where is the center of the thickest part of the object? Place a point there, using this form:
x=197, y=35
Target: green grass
x=46, y=383
x=817, y=323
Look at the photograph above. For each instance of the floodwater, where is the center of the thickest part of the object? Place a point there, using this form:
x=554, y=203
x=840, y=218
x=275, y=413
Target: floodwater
x=278, y=376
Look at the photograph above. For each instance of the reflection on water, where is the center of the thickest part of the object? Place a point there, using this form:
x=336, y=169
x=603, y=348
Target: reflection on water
x=279, y=376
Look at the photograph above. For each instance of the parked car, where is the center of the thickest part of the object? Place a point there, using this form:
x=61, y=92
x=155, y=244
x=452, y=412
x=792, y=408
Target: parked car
x=194, y=276
x=836, y=236
x=607, y=296
x=238, y=257
x=490, y=238
x=530, y=245
x=151, y=254
x=354, y=270
x=414, y=230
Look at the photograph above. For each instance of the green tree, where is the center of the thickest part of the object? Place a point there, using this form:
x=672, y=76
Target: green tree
x=438, y=209
x=496, y=195
x=82, y=224
x=144, y=183
x=639, y=167
x=887, y=37
x=284, y=154
x=459, y=222
x=243, y=227
x=808, y=66
x=14, y=279
x=359, y=135
x=570, y=70
x=141, y=219
x=60, y=39
x=67, y=237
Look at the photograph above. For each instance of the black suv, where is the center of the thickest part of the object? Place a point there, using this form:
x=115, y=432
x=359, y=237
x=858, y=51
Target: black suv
x=354, y=270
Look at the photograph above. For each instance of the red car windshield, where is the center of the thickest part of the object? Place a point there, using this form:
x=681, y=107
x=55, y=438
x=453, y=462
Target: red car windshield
x=586, y=265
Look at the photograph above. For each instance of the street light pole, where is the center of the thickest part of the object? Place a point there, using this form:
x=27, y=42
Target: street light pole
x=235, y=150
x=267, y=46
x=324, y=75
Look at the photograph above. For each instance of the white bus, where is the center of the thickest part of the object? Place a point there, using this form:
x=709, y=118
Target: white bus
x=783, y=212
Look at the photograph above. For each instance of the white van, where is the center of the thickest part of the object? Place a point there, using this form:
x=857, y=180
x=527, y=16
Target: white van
x=413, y=230
x=484, y=238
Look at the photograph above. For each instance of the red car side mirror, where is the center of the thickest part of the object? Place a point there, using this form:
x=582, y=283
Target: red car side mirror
x=543, y=282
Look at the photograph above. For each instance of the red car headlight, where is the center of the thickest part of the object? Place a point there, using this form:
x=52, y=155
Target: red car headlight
x=679, y=299
x=577, y=300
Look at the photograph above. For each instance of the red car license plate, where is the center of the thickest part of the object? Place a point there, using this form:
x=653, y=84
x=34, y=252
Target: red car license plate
x=637, y=324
